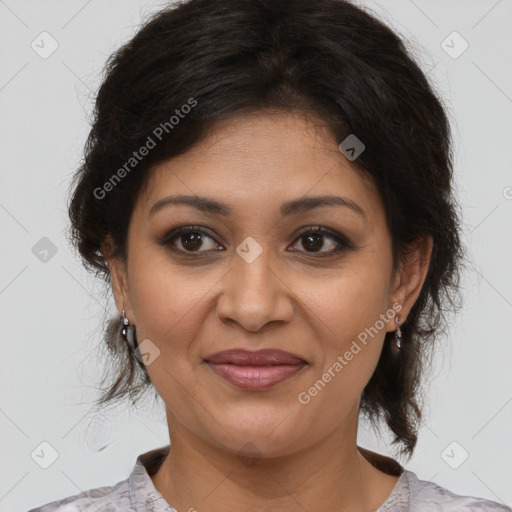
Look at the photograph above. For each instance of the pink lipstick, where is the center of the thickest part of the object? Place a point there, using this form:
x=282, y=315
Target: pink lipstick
x=255, y=369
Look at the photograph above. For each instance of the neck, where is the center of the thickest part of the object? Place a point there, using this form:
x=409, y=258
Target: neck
x=331, y=475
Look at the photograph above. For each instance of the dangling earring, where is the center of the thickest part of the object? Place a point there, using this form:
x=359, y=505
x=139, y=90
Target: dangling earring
x=398, y=336
x=127, y=331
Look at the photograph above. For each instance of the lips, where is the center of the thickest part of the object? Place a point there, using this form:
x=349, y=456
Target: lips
x=258, y=370
x=263, y=357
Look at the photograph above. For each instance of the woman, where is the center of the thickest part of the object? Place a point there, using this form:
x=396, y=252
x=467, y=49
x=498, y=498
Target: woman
x=267, y=187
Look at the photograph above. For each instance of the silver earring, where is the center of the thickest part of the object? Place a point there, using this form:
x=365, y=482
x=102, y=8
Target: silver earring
x=127, y=331
x=398, y=336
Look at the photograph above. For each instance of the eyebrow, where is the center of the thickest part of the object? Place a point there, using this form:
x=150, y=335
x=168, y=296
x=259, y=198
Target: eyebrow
x=289, y=208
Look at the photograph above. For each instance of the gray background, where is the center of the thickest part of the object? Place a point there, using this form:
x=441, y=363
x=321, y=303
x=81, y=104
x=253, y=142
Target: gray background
x=51, y=310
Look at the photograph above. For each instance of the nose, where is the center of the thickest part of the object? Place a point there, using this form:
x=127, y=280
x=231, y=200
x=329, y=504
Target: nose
x=255, y=294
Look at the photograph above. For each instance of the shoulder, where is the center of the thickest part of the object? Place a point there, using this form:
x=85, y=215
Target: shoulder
x=107, y=499
x=428, y=496
x=137, y=492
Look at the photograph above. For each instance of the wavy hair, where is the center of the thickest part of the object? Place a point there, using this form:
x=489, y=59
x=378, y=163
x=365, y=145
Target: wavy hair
x=329, y=57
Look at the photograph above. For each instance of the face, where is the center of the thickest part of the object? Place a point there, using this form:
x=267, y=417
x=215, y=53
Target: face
x=264, y=270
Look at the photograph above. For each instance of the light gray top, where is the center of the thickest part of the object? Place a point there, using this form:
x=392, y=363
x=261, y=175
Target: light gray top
x=138, y=494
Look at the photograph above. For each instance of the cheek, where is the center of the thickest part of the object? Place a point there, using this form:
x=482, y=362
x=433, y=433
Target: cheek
x=167, y=299
x=350, y=301
x=346, y=313
x=169, y=303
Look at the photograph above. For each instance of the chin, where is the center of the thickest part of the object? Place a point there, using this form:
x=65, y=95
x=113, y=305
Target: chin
x=267, y=439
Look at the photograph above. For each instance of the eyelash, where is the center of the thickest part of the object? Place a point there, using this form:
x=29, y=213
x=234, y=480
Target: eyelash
x=343, y=243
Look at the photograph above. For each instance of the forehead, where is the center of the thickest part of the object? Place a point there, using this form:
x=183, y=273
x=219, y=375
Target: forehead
x=258, y=161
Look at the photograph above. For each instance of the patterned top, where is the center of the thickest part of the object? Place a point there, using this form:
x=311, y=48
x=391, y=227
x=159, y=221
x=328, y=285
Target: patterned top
x=138, y=494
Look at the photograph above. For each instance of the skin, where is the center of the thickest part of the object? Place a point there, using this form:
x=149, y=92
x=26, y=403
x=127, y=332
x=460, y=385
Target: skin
x=305, y=455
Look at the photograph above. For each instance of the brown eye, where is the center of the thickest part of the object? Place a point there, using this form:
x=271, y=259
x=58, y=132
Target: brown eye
x=190, y=239
x=313, y=241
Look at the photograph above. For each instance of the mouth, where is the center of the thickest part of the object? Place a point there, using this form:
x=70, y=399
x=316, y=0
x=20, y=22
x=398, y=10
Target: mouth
x=255, y=369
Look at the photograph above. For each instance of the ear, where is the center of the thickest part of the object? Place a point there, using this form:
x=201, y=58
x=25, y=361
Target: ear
x=409, y=278
x=120, y=285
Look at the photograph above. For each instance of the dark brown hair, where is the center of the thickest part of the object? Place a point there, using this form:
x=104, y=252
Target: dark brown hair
x=326, y=56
